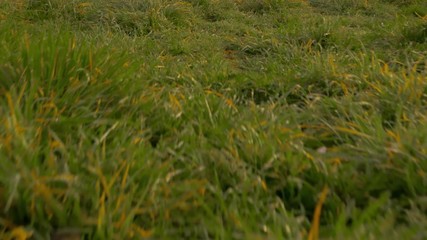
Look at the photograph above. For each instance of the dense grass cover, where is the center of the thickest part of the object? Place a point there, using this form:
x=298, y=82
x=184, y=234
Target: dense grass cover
x=213, y=119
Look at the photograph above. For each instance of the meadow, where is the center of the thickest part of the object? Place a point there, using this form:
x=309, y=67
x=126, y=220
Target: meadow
x=213, y=119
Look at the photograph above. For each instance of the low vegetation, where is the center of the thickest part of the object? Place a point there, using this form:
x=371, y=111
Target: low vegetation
x=213, y=119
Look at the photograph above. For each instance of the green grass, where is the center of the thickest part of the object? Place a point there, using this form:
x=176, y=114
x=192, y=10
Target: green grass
x=213, y=119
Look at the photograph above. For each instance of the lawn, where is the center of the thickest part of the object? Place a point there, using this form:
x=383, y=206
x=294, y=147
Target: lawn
x=213, y=119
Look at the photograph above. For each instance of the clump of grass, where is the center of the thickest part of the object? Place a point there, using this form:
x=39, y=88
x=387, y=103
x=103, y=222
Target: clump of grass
x=417, y=9
x=318, y=35
x=401, y=2
x=52, y=89
x=259, y=6
x=342, y=7
x=212, y=11
x=178, y=13
x=128, y=17
x=416, y=33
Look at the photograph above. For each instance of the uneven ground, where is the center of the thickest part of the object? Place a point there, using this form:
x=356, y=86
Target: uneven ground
x=213, y=119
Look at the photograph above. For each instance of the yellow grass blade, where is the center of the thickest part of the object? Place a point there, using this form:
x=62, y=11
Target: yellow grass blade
x=314, y=231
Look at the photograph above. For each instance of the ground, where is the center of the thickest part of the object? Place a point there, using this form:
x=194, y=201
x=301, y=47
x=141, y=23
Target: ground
x=213, y=119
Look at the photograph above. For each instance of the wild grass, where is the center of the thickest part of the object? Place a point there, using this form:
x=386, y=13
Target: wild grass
x=208, y=119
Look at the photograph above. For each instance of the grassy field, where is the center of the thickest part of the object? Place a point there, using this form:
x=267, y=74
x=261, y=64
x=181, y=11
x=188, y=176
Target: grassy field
x=213, y=119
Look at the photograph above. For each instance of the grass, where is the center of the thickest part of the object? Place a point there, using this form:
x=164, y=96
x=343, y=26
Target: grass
x=208, y=119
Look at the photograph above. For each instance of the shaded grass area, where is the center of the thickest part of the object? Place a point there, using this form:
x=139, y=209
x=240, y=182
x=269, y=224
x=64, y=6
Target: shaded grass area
x=205, y=119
